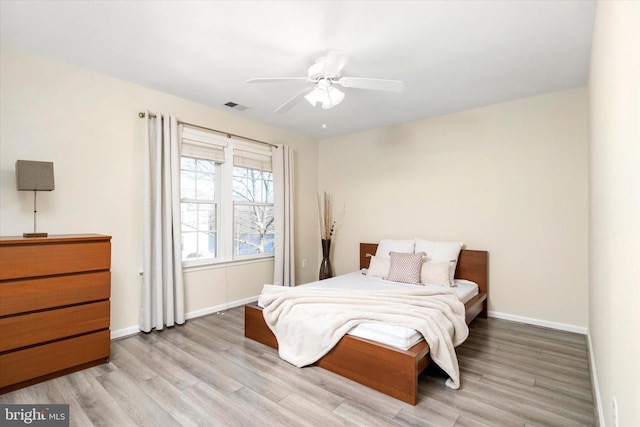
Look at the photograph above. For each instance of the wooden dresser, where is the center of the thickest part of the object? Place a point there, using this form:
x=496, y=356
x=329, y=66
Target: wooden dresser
x=54, y=306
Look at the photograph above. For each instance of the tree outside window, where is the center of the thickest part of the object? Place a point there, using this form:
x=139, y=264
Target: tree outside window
x=253, y=225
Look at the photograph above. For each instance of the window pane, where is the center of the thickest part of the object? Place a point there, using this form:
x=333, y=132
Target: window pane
x=253, y=229
x=199, y=226
x=189, y=217
x=197, y=179
x=187, y=163
x=252, y=185
x=206, y=186
x=187, y=184
x=205, y=166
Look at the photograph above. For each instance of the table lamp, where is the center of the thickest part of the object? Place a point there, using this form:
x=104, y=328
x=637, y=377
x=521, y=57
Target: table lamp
x=34, y=176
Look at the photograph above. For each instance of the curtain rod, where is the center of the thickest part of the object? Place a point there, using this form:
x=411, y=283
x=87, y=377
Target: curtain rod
x=228, y=135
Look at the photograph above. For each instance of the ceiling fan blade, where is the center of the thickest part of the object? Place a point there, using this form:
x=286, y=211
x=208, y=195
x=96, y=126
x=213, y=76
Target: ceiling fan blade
x=334, y=63
x=294, y=100
x=275, y=79
x=373, y=84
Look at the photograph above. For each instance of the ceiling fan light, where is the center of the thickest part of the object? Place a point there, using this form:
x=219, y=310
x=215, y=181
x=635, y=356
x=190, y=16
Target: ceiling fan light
x=314, y=97
x=333, y=97
x=326, y=95
x=327, y=104
x=336, y=95
x=318, y=95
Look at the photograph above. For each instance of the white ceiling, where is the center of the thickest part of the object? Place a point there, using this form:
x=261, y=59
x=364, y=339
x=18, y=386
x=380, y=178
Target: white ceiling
x=451, y=55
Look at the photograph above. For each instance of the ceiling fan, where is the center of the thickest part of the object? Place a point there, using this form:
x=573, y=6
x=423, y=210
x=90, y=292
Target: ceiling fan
x=325, y=75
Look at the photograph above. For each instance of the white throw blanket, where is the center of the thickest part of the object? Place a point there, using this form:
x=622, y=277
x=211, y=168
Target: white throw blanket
x=309, y=322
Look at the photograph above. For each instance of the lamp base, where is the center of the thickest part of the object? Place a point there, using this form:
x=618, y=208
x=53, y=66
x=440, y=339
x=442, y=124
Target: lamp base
x=35, y=234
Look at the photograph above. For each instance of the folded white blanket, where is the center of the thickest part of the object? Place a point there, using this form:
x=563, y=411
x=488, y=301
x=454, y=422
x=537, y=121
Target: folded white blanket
x=309, y=322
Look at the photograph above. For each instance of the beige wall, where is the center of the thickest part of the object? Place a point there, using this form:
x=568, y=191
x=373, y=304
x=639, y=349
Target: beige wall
x=509, y=178
x=88, y=125
x=614, y=255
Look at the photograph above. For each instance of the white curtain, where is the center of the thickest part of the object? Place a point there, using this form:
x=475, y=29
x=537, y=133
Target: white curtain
x=163, y=290
x=284, y=271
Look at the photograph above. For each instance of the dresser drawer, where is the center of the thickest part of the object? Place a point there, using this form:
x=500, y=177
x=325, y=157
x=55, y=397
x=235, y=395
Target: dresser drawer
x=34, y=362
x=44, y=259
x=28, y=329
x=19, y=296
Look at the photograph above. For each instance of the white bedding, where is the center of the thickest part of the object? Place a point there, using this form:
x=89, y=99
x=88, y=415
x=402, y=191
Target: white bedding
x=309, y=322
x=395, y=336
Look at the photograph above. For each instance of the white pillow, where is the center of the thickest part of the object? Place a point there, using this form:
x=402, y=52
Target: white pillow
x=438, y=273
x=379, y=267
x=387, y=246
x=440, y=251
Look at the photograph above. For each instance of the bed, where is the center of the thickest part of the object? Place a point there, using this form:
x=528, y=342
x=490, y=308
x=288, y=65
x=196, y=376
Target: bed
x=384, y=368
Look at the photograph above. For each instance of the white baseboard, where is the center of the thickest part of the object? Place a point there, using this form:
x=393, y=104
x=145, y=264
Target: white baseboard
x=217, y=308
x=538, y=322
x=594, y=377
x=132, y=330
x=125, y=332
x=209, y=310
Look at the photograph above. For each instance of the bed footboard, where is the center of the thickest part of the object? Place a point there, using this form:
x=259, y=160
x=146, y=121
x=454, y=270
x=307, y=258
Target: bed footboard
x=383, y=368
x=388, y=370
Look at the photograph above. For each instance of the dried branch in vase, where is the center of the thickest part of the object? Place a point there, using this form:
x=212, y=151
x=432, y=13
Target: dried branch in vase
x=327, y=224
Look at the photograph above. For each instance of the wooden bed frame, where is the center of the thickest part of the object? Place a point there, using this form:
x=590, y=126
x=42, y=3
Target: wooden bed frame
x=387, y=369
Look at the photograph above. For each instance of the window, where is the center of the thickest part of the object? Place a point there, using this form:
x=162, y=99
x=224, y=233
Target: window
x=226, y=195
x=199, y=208
x=252, y=211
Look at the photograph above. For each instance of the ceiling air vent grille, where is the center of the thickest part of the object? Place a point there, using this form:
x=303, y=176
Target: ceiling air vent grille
x=236, y=106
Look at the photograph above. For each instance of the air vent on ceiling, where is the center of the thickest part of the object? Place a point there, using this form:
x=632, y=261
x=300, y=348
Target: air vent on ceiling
x=236, y=106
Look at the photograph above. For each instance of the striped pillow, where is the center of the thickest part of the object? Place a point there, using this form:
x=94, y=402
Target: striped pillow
x=405, y=267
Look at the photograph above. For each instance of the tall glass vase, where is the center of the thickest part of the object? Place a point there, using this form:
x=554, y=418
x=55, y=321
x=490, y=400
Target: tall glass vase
x=325, y=264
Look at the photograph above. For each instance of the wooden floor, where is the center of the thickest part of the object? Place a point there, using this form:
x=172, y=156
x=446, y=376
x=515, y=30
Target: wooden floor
x=206, y=373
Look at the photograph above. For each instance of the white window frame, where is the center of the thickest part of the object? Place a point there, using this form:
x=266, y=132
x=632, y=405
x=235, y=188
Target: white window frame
x=218, y=202
x=238, y=203
x=225, y=202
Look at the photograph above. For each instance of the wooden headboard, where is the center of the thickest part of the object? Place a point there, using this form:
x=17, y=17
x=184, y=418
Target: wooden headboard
x=472, y=265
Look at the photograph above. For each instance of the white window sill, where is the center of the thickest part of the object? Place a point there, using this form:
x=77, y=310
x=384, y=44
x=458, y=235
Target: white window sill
x=223, y=264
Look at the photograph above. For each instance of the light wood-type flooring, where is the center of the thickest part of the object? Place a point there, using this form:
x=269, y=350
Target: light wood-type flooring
x=206, y=373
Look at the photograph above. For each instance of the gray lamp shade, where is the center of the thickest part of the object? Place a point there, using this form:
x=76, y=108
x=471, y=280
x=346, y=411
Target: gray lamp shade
x=34, y=176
